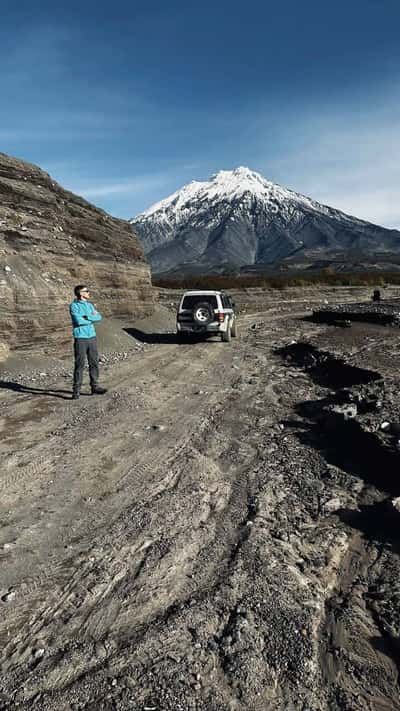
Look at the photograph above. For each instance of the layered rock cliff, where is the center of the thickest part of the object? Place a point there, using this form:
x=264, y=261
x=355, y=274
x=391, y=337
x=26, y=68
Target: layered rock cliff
x=50, y=240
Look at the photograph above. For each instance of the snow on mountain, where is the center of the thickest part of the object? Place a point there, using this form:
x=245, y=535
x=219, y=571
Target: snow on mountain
x=240, y=218
x=224, y=185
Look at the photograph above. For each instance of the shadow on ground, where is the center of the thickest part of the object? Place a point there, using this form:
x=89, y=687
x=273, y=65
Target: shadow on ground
x=18, y=388
x=349, y=447
x=345, y=443
x=161, y=338
x=379, y=522
x=325, y=369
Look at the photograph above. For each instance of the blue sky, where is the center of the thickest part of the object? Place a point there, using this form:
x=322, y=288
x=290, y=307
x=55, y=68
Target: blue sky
x=124, y=102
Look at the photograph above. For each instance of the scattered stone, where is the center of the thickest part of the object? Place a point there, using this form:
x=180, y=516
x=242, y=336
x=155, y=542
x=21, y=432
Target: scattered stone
x=342, y=323
x=392, y=428
x=348, y=411
x=396, y=503
x=332, y=505
x=333, y=414
x=7, y=268
x=9, y=596
x=383, y=312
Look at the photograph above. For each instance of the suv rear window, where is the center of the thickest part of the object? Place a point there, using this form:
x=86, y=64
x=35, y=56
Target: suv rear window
x=189, y=302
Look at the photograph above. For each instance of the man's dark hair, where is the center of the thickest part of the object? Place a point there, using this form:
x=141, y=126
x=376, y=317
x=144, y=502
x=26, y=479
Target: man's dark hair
x=78, y=289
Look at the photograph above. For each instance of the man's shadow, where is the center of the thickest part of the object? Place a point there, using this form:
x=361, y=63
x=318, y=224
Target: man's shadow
x=18, y=388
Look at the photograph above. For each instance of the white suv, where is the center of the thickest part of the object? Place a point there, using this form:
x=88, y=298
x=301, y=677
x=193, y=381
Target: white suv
x=207, y=313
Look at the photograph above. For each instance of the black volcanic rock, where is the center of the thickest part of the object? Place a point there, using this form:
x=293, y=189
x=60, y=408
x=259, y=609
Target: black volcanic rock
x=238, y=218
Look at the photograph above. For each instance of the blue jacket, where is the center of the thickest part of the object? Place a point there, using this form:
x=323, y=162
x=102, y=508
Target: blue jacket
x=83, y=327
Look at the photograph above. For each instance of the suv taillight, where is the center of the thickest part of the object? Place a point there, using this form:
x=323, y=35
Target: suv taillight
x=221, y=316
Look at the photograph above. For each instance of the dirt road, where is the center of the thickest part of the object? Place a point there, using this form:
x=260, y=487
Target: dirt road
x=185, y=541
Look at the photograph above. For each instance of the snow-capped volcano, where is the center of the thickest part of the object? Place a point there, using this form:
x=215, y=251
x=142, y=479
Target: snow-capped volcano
x=224, y=185
x=239, y=218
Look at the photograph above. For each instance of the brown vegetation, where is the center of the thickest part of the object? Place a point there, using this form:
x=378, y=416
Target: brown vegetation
x=326, y=276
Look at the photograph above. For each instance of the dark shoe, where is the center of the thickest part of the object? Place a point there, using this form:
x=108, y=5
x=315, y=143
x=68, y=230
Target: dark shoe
x=75, y=396
x=98, y=390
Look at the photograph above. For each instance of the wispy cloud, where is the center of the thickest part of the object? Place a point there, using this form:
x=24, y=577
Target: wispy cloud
x=128, y=151
x=124, y=197
x=132, y=186
x=347, y=157
x=380, y=205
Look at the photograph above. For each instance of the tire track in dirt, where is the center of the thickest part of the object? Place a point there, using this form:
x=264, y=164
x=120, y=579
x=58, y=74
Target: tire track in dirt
x=22, y=473
x=114, y=550
x=149, y=465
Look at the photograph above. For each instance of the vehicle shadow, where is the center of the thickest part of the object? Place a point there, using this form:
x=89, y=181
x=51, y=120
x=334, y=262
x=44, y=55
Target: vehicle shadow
x=18, y=388
x=152, y=337
x=161, y=338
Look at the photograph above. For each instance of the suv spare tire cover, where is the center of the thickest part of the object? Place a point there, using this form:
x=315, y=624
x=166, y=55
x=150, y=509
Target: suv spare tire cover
x=203, y=313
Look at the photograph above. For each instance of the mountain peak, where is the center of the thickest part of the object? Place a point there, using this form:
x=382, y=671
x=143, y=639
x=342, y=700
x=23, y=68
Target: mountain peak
x=223, y=185
x=242, y=178
x=240, y=172
x=238, y=217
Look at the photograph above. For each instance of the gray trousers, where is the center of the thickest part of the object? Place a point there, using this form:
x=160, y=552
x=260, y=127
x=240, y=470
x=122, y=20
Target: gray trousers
x=85, y=348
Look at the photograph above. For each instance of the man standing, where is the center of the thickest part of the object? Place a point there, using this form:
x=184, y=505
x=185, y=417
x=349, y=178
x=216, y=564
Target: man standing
x=84, y=315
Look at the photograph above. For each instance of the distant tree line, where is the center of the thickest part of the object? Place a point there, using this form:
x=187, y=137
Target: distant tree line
x=326, y=276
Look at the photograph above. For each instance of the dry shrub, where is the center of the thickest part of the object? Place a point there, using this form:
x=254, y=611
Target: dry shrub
x=326, y=276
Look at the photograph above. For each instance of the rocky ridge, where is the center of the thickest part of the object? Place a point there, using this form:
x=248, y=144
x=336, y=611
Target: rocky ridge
x=51, y=239
x=239, y=218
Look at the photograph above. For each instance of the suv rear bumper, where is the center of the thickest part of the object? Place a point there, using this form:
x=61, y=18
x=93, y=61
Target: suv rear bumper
x=194, y=328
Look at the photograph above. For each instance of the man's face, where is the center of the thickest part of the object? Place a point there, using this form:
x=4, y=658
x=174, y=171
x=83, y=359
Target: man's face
x=84, y=294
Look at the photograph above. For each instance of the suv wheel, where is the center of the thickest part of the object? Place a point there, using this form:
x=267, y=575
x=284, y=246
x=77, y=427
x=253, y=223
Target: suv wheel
x=234, y=329
x=226, y=335
x=203, y=313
